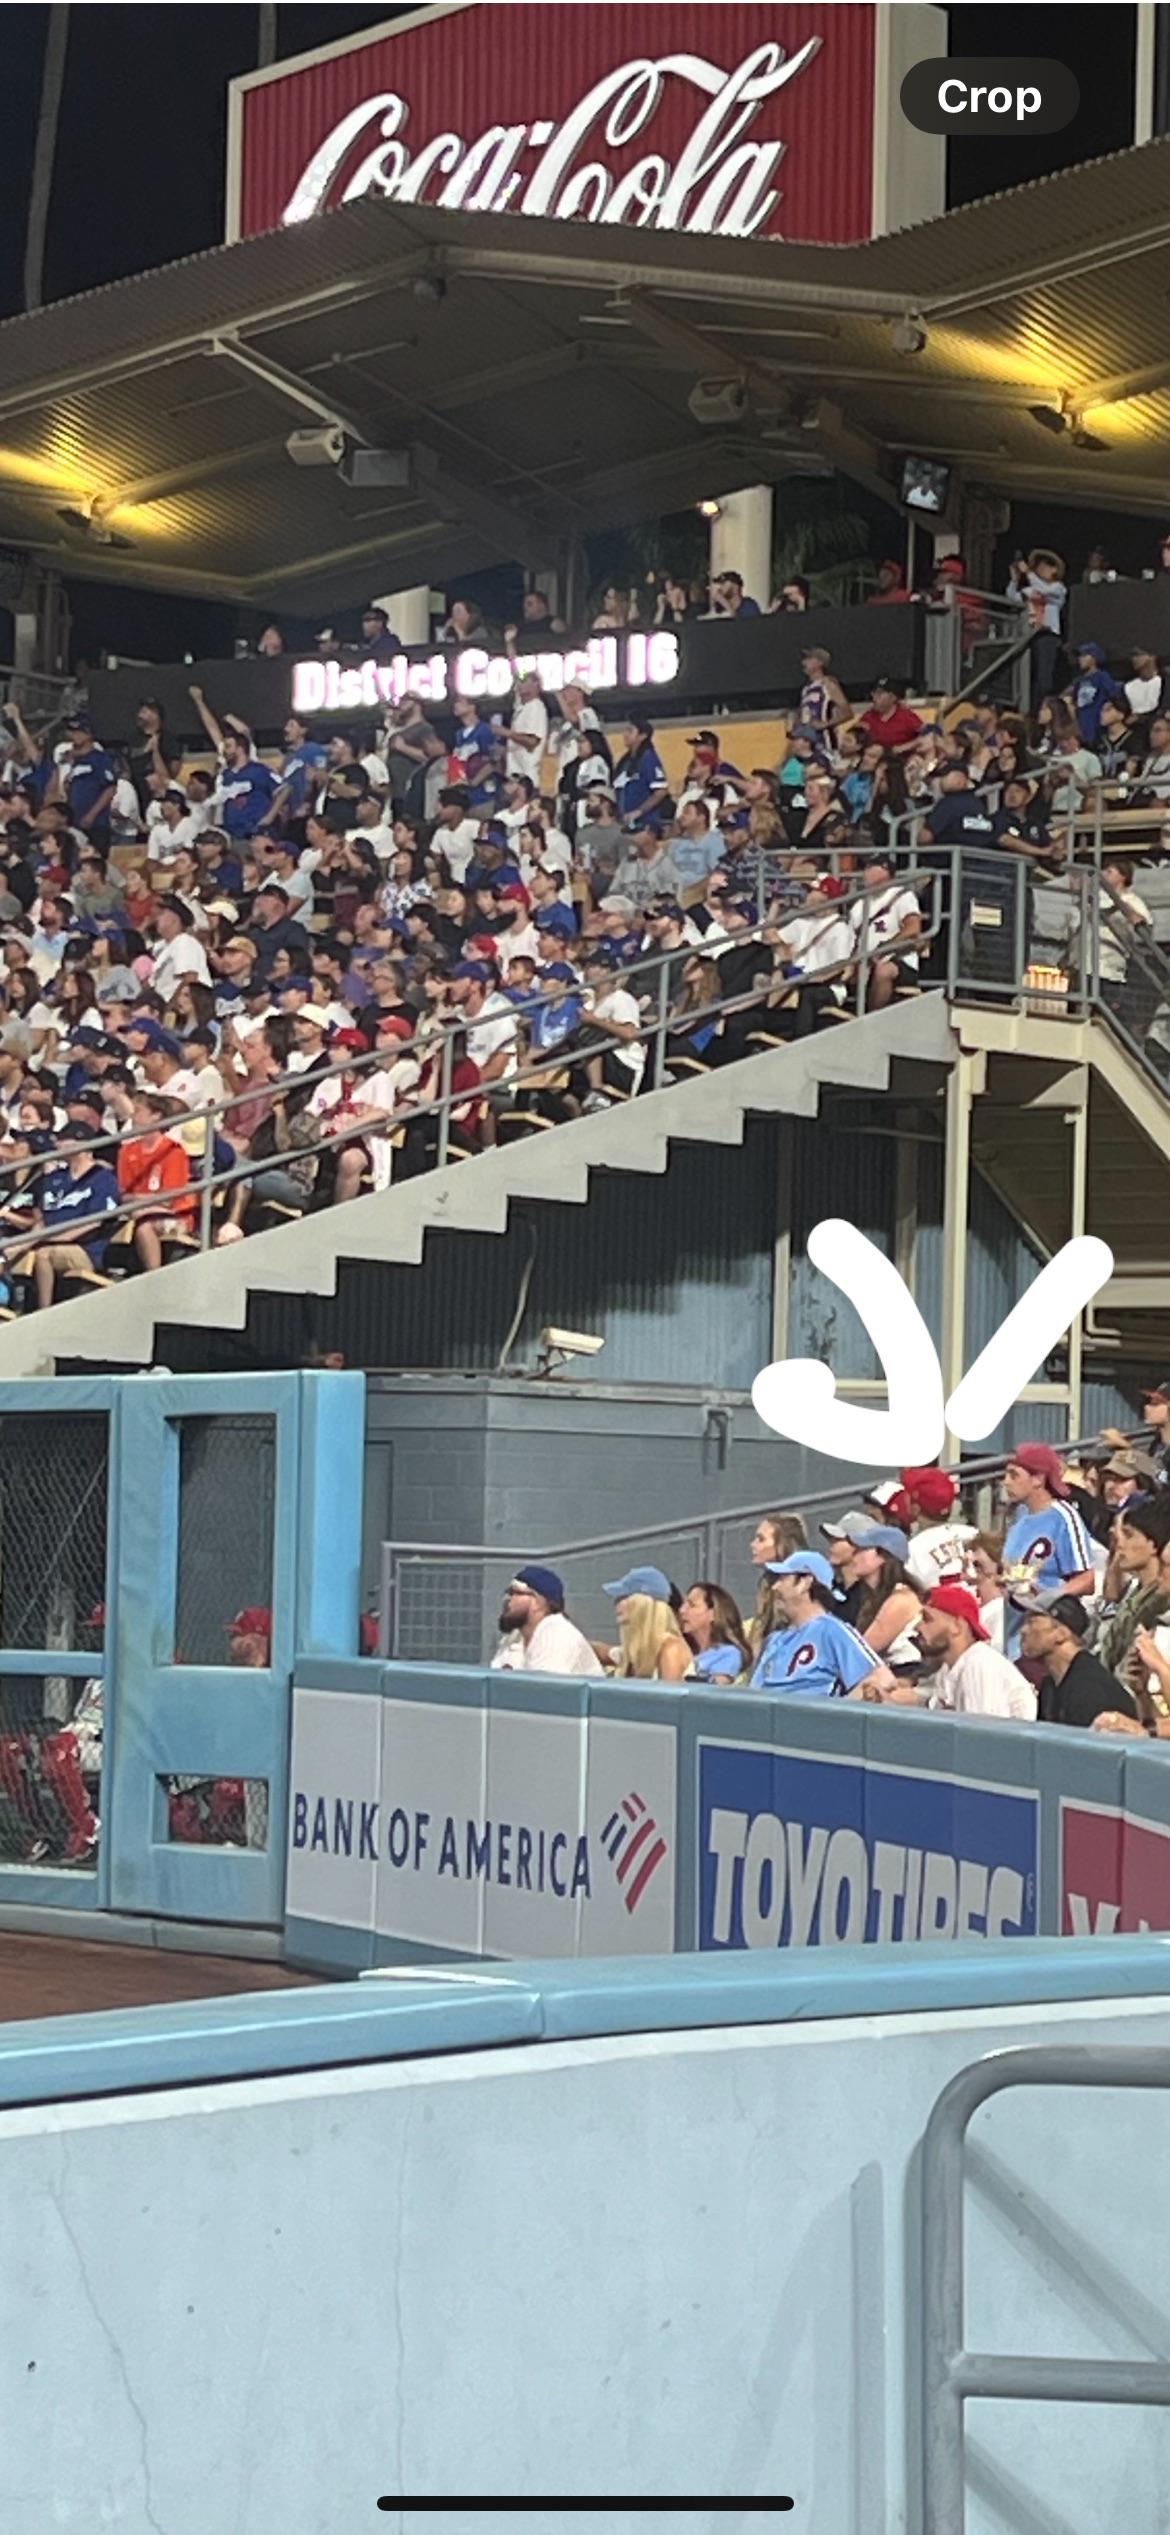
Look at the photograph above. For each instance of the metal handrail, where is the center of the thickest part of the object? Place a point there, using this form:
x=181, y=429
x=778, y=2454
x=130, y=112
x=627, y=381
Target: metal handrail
x=944, y=882
x=952, y=2375
x=447, y=1103
x=967, y=1474
x=706, y=1530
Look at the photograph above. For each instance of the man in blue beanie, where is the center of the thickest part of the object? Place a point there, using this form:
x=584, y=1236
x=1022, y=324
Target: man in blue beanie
x=535, y=1635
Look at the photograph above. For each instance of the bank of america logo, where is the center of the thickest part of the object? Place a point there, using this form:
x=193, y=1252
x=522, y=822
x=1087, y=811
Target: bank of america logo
x=634, y=1845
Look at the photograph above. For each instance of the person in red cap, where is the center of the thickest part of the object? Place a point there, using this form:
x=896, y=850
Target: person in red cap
x=250, y=1638
x=938, y=1546
x=971, y=1679
x=361, y=1096
x=1046, y=1545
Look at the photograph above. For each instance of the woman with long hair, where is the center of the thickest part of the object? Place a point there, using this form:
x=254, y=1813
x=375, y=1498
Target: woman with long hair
x=694, y=1027
x=1054, y=722
x=775, y=1537
x=715, y=1634
x=984, y=1574
x=890, y=1605
x=651, y=1644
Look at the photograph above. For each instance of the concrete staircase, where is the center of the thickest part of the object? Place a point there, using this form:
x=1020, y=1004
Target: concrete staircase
x=116, y=1326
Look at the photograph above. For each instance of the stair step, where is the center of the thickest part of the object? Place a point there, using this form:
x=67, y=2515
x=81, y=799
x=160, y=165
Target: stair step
x=117, y=1326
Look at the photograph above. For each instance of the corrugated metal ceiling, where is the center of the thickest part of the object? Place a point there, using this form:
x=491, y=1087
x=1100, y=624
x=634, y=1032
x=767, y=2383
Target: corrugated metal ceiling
x=547, y=402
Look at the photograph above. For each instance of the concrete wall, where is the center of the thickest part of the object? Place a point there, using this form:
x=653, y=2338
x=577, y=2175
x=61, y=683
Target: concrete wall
x=682, y=2262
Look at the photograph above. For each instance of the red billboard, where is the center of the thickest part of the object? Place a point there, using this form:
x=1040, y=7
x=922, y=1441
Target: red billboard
x=1115, y=1872
x=727, y=121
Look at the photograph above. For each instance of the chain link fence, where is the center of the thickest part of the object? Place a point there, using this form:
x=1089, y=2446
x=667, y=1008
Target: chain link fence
x=216, y=1812
x=50, y=1770
x=54, y=1488
x=227, y=1512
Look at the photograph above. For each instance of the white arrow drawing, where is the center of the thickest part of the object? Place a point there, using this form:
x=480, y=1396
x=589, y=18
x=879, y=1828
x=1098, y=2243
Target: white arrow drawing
x=798, y=1397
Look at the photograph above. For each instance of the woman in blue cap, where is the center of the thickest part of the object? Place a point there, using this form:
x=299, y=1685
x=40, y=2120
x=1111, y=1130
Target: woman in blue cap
x=811, y=1654
x=652, y=1646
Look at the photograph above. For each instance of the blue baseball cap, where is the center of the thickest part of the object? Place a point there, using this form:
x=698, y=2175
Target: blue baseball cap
x=641, y=1580
x=646, y=822
x=477, y=968
x=559, y=973
x=545, y=1581
x=803, y=1562
x=1094, y=651
x=884, y=1536
x=144, y=1026
x=556, y=919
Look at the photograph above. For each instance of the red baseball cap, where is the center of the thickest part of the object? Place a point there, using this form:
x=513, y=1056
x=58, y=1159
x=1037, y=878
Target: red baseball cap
x=931, y=1491
x=350, y=1039
x=254, y=1622
x=394, y=1025
x=1041, y=1462
x=958, y=1604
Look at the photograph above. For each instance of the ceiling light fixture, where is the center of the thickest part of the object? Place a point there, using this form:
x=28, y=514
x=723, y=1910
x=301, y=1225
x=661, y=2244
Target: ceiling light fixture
x=1051, y=417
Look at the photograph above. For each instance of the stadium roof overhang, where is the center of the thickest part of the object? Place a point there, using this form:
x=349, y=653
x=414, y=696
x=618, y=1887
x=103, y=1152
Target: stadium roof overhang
x=539, y=374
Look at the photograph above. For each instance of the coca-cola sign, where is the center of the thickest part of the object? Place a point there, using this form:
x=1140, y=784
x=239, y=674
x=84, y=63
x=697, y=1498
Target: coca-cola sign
x=728, y=122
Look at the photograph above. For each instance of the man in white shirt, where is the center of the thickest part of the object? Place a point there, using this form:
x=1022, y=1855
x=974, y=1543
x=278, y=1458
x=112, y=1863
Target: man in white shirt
x=489, y=1035
x=938, y=1545
x=889, y=914
x=528, y=730
x=282, y=863
x=972, y=1679
x=179, y=954
x=816, y=938
x=612, y=1012
x=1145, y=692
x=456, y=832
x=535, y=1635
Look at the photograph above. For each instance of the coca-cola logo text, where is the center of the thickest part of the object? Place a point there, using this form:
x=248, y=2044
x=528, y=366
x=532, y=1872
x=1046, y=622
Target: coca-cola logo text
x=719, y=185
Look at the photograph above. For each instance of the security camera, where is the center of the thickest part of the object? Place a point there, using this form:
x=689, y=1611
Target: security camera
x=570, y=1342
x=908, y=334
x=323, y=446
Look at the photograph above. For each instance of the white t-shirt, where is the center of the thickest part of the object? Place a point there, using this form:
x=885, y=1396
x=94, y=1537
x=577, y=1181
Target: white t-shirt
x=1142, y=695
x=616, y=1004
x=555, y=1645
x=374, y=1090
x=457, y=844
x=494, y=1028
x=532, y=718
x=814, y=942
x=184, y=957
x=568, y=735
x=983, y=1683
x=877, y=920
x=938, y=1551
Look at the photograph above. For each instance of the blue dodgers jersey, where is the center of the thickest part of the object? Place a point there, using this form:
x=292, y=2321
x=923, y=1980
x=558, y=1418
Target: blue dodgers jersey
x=822, y=1659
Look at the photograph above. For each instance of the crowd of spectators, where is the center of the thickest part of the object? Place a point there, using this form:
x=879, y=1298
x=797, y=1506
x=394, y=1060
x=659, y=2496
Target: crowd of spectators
x=1059, y=1616
x=236, y=985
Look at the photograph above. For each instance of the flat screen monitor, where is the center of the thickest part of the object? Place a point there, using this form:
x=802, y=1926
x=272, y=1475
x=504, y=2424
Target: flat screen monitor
x=926, y=482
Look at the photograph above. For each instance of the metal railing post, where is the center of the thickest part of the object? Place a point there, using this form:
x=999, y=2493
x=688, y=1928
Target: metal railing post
x=443, y=1145
x=1019, y=930
x=206, y=1186
x=955, y=924
x=659, y=1065
x=952, y=2375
